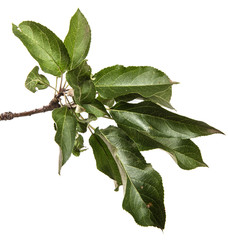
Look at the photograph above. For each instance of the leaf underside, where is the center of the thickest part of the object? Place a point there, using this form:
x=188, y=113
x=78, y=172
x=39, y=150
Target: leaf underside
x=143, y=189
x=104, y=159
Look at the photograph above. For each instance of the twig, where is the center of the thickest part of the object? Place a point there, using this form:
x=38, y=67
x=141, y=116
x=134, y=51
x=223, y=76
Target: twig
x=89, y=127
x=56, y=84
x=54, y=103
x=61, y=82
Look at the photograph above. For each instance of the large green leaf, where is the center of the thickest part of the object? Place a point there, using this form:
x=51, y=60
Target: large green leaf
x=78, y=39
x=104, y=159
x=118, y=80
x=79, y=80
x=36, y=81
x=152, y=119
x=184, y=152
x=48, y=50
x=66, y=131
x=143, y=190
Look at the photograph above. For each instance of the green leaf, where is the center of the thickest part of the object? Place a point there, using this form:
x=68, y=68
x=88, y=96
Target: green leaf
x=162, y=98
x=184, y=152
x=96, y=108
x=129, y=97
x=48, y=50
x=79, y=74
x=152, y=119
x=104, y=159
x=81, y=127
x=36, y=81
x=85, y=92
x=116, y=81
x=66, y=131
x=82, y=124
x=79, y=80
x=107, y=102
x=78, y=39
x=165, y=94
x=78, y=146
x=143, y=190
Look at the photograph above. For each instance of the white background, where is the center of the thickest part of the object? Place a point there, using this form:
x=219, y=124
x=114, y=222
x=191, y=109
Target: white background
x=187, y=40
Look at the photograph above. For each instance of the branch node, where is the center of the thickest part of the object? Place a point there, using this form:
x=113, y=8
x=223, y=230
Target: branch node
x=6, y=116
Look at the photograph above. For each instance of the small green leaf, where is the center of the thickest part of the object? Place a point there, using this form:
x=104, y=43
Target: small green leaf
x=36, y=81
x=78, y=39
x=78, y=146
x=80, y=74
x=116, y=81
x=104, y=159
x=81, y=127
x=143, y=190
x=107, y=102
x=96, y=108
x=79, y=80
x=66, y=131
x=152, y=119
x=48, y=50
x=82, y=124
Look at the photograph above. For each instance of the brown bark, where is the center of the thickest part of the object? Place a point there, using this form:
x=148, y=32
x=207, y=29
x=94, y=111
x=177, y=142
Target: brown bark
x=54, y=103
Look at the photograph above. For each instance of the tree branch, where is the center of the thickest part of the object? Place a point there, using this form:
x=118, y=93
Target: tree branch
x=54, y=103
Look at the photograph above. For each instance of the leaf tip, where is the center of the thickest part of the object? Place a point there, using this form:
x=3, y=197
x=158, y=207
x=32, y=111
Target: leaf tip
x=175, y=82
x=78, y=11
x=214, y=130
x=14, y=28
x=204, y=165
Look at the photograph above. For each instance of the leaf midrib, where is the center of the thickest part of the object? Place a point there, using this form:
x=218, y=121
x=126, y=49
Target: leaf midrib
x=63, y=127
x=127, y=173
x=38, y=79
x=124, y=86
x=157, y=117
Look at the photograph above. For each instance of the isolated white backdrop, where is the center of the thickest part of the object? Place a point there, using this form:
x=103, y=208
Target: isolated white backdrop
x=185, y=39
